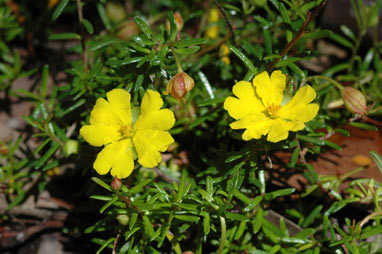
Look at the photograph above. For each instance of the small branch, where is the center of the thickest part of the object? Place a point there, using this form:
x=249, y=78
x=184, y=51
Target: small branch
x=84, y=50
x=369, y=217
x=222, y=236
x=212, y=47
x=222, y=11
x=115, y=242
x=299, y=34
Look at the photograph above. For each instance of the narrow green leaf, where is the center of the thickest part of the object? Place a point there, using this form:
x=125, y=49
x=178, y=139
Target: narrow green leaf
x=88, y=26
x=316, y=213
x=236, y=216
x=102, y=13
x=294, y=157
x=313, y=140
x=341, y=40
x=279, y=193
x=148, y=227
x=258, y=220
x=364, y=126
x=343, y=132
x=44, y=81
x=332, y=145
x=243, y=58
x=101, y=183
x=189, y=42
x=133, y=220
x=108, y=204
x=60, y=7
x=317, y=34
x=47, y=155
x=206, y=224
x=188, y=218
x=173, y=27
x=64, y=36
x=187, y=51
x=108, y=242
x=348, y=32
x=377, y=159
x=137, y=188
x=144, y=27
x=100, y=197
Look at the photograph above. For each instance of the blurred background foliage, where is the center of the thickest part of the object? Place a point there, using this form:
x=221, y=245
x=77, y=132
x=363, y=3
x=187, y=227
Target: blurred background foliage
x=213, y=192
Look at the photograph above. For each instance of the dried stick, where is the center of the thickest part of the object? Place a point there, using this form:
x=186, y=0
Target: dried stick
x=83, y=45
x=299, y=34
x=226, y=19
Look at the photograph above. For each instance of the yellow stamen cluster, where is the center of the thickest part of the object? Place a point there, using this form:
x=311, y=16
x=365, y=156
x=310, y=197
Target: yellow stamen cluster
x=273, y=109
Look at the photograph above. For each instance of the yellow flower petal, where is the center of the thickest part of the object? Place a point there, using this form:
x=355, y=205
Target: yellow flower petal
x=103, y=114
x=116, y=156
x=298, y=108
x=119, y=100
x=270, y=90
x=279, y=130
x=98, y=135
x=152, y=117
x=255, y=125
x=247, y=102
x=148, y=144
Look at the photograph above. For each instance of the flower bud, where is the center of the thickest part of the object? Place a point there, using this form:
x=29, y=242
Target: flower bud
x=70, y=147
x=127, y=29
x=180, y=85
x=354, y=101
x=178, y=21
x=115, y=11
x=116, y=184
x=123, y=219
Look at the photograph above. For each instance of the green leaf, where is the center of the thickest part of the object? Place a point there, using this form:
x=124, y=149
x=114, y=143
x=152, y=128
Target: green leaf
x=364, y=126
x=102, y=13
x=294, y=157
x=108, y=204
x=148, y=227
x=133, y=220
x=187, y=51
x=64, y=36
x=188, y=218
x=206, y=224
x=313, y=140
x=236, y=216
x=377, y=159
x=258, y=220
x=47, y=155
x=332, y=145
x=60, y=7
x=348, y=32
x=44, y=81
x=137, y=188
x=317, y=34
x=101, y=183
x=341, y=40
x=88, y=26
x=189, y=42
x=243, y=58
x=144, y=27
x=287, y=61
x=173, y=27
x=278, y=193
x=316, y=213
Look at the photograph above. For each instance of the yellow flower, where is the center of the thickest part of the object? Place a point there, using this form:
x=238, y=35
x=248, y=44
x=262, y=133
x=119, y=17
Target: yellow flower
x=259, y=107
x=112, y=126
x=213, y=30
x=224, y=54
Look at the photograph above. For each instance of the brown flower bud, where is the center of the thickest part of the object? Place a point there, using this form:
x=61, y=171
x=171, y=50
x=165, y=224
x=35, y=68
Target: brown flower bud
x=180, y=85
x=116, y=184
x=354, y=101
x=115, y=11
x=127, y=29
x=178, y=21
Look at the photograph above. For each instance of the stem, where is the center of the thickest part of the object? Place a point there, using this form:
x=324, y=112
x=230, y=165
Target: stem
x=299, y=34
x=334, y=82
x=367, y=218
x=226, y=19
x=84, y=51
x=223, y=235
x=176, y=60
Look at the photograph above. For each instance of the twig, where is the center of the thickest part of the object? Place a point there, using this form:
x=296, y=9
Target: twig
x=369, y=217
x=226, y=19
x=115, y=242
x=214, y=46
x=300, y=33
x=83, y=45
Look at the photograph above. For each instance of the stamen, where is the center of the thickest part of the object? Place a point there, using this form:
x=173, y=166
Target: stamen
x=273, y=109
x=125, y=131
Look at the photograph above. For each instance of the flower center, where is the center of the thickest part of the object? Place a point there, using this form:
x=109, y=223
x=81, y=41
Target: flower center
x=126, y=131
x=273, y=109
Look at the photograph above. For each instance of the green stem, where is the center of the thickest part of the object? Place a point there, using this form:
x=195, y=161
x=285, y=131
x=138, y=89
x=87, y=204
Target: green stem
x=334, y=82
x=223, y=235
x=176, y=60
